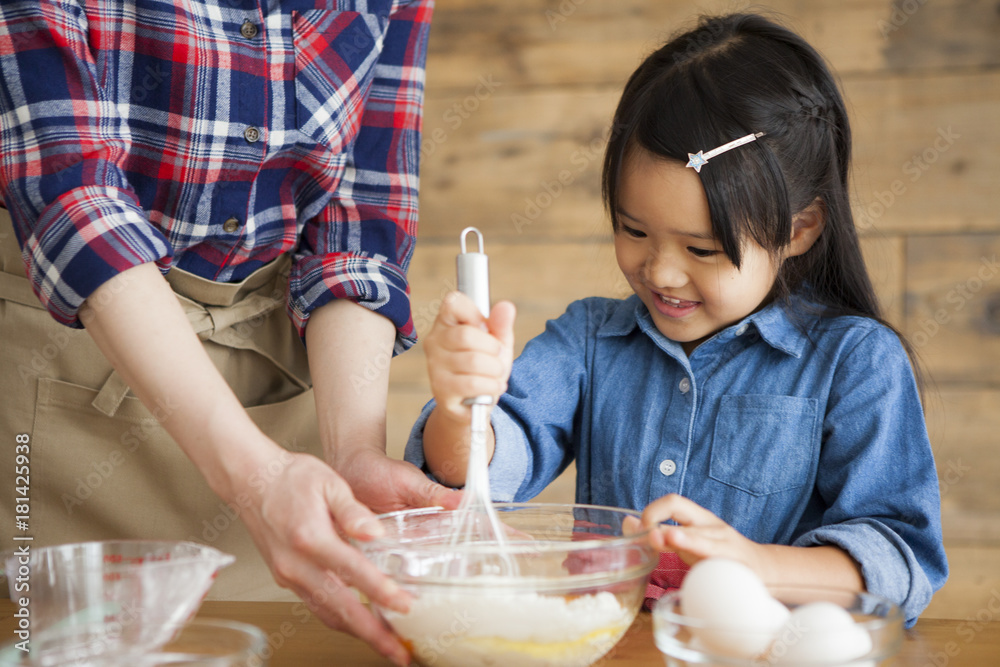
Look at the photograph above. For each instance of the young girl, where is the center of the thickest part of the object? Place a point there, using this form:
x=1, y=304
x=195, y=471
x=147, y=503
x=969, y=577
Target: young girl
x=749, y=391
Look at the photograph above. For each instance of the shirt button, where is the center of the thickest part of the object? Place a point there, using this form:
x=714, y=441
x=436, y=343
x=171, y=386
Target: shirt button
x=231, y=225
x=684, y=386
x=668, y=467
x=251, y=134
x=248, y=29
x=742, y=330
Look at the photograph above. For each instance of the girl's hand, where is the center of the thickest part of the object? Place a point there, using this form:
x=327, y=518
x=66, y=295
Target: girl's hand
x=468, y=355
x=699, y=535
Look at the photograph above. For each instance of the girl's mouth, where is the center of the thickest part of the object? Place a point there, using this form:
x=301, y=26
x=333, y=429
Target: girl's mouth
x=674, y=307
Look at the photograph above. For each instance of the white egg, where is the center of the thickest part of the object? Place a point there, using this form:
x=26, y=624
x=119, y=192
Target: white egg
x=820, y=633
x=739, y=616
x=716, y=588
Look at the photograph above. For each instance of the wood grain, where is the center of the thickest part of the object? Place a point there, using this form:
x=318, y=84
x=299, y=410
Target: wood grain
x=927, y=149
x=963, y=424
x=296, y=638
x=582, y=42
x=973, y=582
x=953, y=306
x=522, y=167
x=886, y=261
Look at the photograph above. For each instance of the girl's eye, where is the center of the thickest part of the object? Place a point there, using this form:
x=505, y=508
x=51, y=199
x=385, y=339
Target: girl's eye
x=702, y=252
x=634, y=233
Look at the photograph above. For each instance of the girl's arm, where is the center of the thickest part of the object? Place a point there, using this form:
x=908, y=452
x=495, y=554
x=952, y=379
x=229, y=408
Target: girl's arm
x=138, y=324
x=536, y=421
x=701, y=534
x=881, y=522
x=446, y=447
x=467, y=355
x=876, y=475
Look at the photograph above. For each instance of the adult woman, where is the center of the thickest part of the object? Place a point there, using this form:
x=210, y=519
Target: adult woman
x=256, y=157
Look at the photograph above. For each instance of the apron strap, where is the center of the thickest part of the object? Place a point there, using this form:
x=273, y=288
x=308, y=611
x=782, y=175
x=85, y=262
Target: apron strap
x=234, y=326
x=253, y=302
x=209, y=321
x=18, y=290
x=111, y=395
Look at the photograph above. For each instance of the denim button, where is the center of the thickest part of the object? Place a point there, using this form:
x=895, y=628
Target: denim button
x=668, y=467
x=742, y=330
x=251, y=134
x=248, y=29
x=685, y=385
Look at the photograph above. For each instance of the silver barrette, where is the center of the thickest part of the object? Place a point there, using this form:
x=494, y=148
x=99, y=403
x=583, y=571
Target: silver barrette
x=698, y=160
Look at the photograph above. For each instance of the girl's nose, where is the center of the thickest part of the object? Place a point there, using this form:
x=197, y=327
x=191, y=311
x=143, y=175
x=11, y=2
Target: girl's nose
x=665, y=270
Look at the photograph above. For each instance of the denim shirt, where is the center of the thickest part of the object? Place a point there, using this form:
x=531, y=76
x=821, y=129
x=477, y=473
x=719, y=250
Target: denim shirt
x=802, y=431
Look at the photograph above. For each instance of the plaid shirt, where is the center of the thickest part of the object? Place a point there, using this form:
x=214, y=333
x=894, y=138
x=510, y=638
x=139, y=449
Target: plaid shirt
x=214, y=135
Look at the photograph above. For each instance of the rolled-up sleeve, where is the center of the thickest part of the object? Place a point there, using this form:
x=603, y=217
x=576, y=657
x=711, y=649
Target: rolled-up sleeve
x=511, y=458
x=62, y=145
x=360, y=245
x=877, y=477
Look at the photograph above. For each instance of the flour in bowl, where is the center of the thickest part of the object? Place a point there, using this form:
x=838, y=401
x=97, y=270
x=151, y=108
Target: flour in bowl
x=493, y=628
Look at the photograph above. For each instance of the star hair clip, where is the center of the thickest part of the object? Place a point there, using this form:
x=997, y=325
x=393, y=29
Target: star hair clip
x=698, y=160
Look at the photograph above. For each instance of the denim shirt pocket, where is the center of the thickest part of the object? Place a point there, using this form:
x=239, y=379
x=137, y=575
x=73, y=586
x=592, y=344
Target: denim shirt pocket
x=764, y=444
x=335, y=56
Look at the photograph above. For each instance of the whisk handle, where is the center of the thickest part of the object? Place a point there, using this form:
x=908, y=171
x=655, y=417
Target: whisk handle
x=474, y=281
x=474, y=273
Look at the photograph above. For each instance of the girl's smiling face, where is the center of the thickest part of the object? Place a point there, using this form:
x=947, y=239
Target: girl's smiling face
x=666, y=249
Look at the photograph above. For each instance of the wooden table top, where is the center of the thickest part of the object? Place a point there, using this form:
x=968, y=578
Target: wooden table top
x=297, y=639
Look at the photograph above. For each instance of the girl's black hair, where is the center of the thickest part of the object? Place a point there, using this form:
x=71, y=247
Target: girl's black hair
x=729, y=77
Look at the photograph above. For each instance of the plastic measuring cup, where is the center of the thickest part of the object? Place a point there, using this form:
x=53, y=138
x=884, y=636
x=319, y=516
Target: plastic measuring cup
x=136, y=591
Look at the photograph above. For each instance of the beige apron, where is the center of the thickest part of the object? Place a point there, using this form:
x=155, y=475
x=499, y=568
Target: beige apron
x=101, y=465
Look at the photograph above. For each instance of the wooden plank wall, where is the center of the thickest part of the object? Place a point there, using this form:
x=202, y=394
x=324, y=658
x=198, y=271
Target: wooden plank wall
x=520, y=95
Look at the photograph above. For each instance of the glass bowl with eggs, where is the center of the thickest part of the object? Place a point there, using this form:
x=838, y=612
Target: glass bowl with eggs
x=561, y=591
x=724, y=616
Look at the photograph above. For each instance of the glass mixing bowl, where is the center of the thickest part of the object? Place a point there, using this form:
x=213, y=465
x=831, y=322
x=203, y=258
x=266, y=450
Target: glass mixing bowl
x=138, y=590
x=199, y=643
x=679, y=637
x=567, y=588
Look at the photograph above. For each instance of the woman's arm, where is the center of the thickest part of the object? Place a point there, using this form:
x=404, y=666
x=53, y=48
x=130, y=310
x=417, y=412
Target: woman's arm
x=137, y=322
x=140, y=327
x=350, y=348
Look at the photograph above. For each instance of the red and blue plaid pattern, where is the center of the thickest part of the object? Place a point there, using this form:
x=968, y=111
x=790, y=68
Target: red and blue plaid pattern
x=214, y=135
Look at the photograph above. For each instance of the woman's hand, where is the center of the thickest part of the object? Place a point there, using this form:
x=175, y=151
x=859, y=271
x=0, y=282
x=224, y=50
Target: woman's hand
x=294, y=517
x=389, y=485
x=699, y=534
x=468, y=355
x=300, y=518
